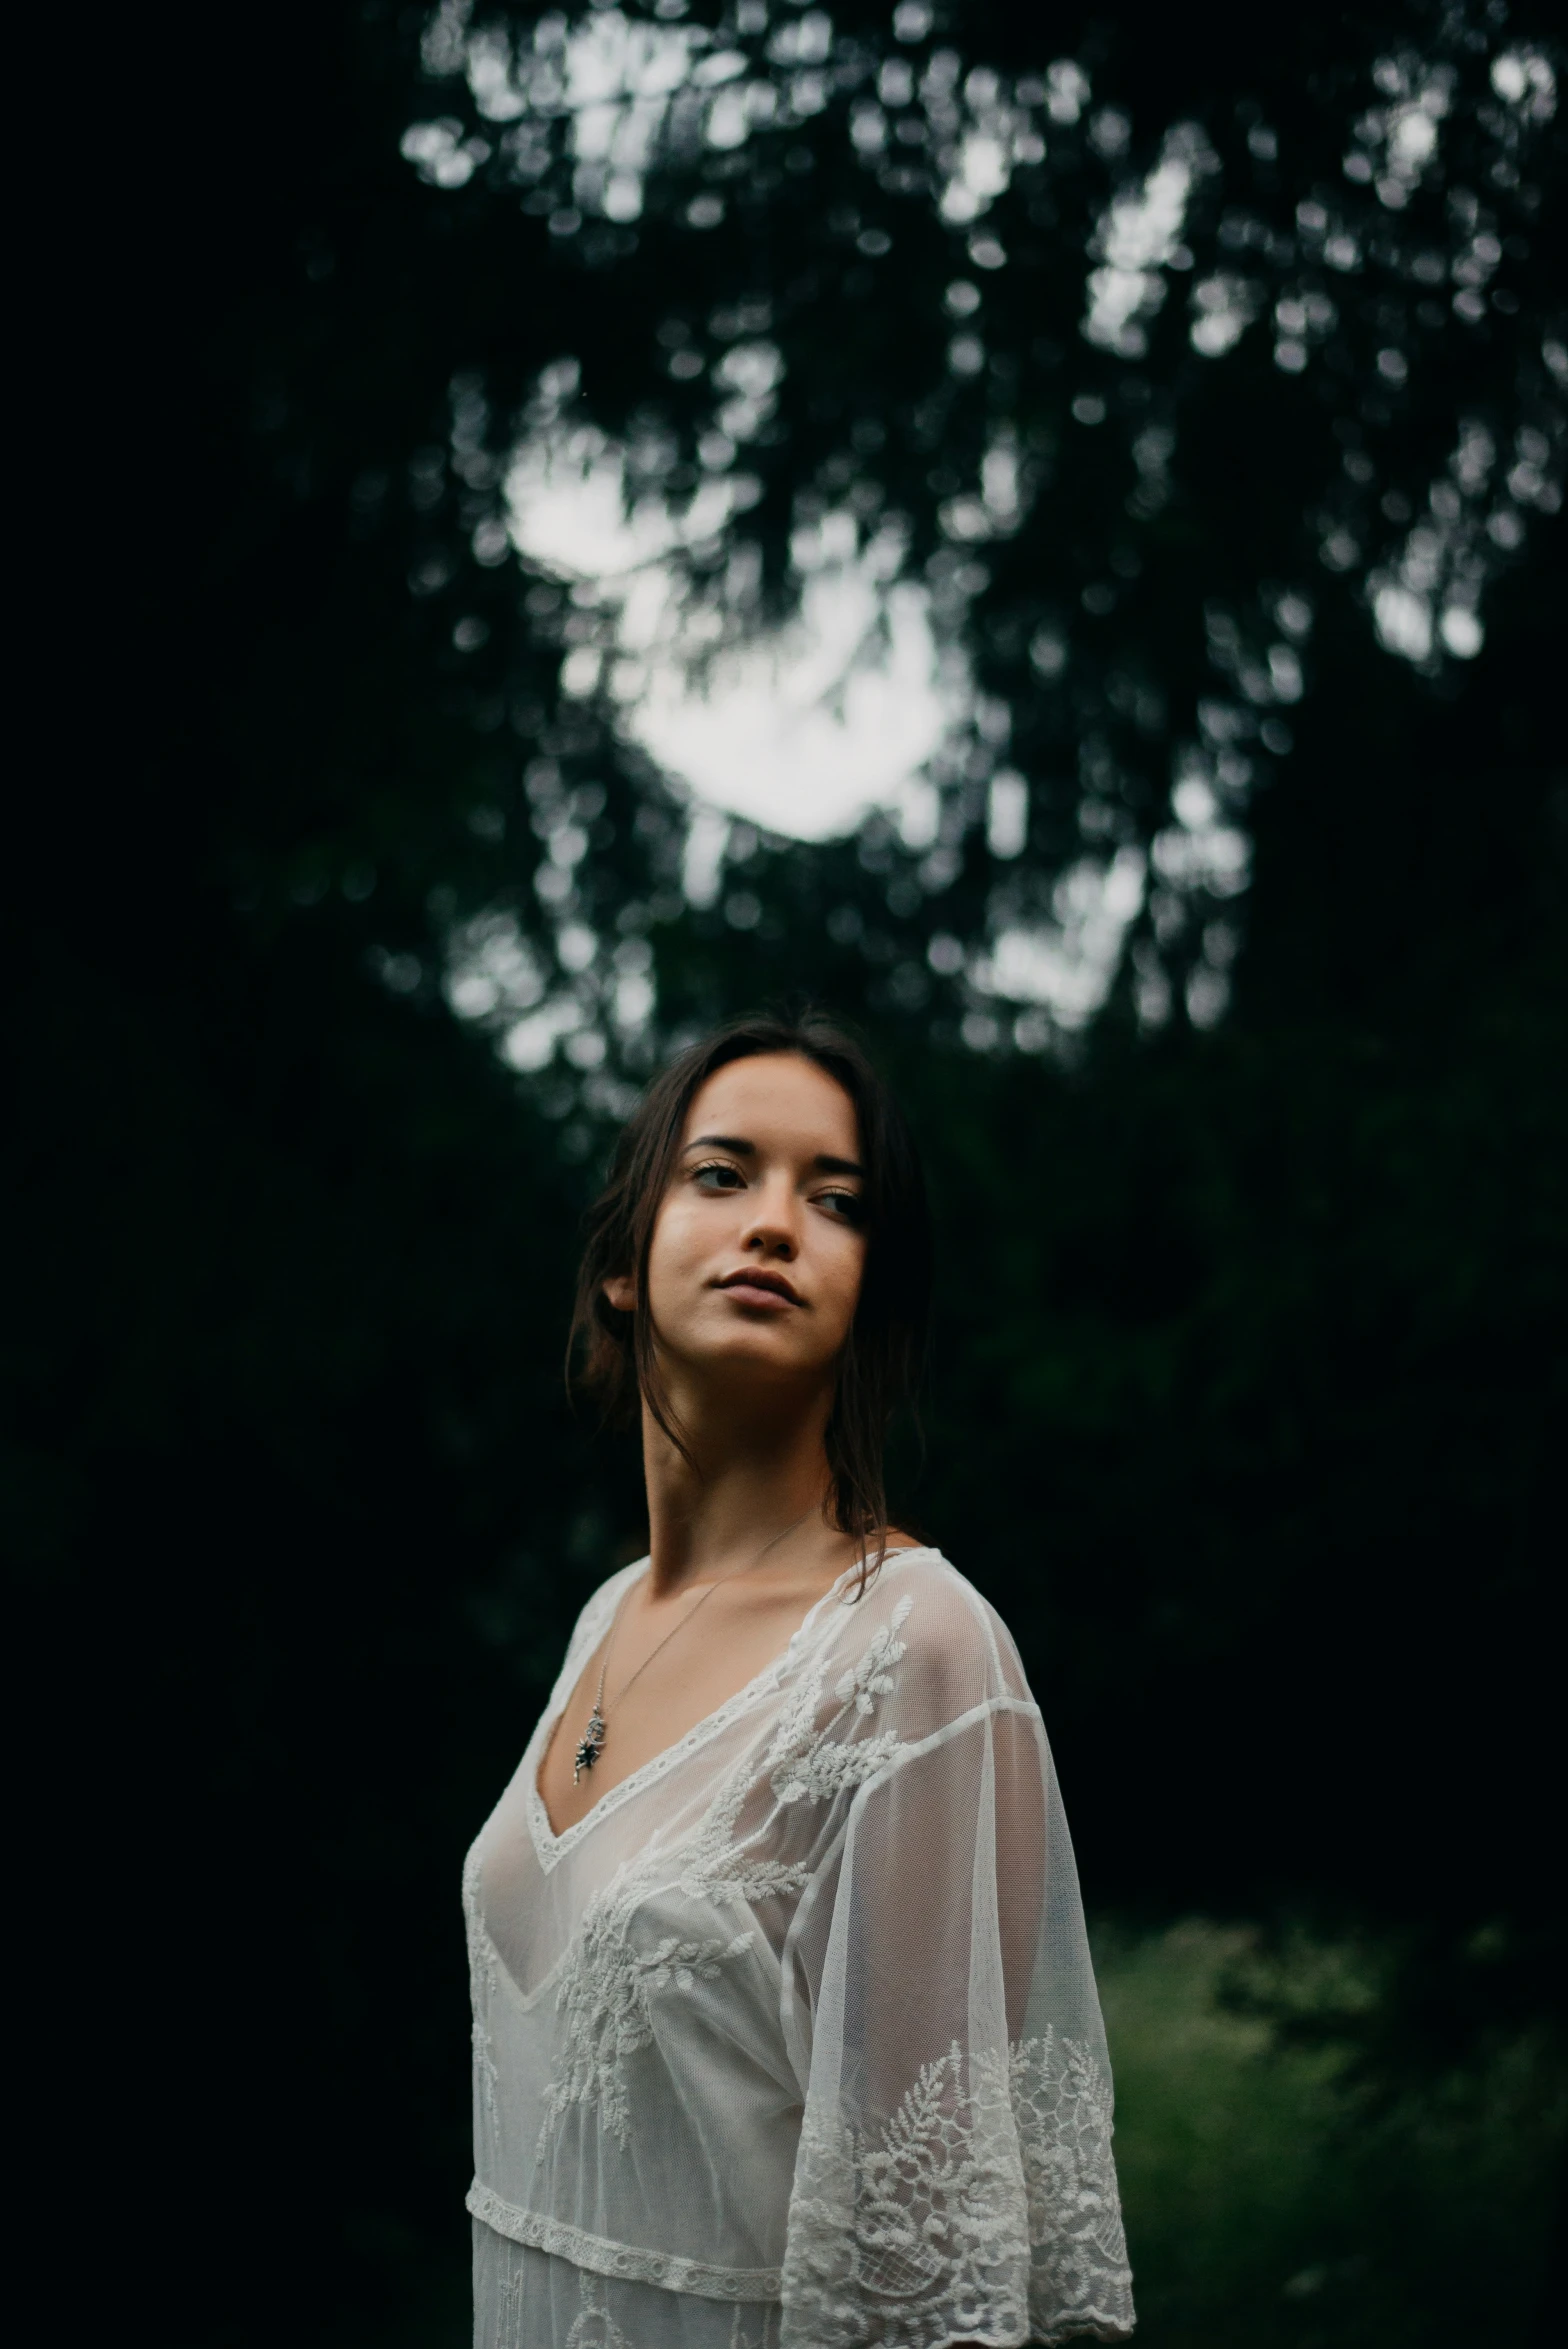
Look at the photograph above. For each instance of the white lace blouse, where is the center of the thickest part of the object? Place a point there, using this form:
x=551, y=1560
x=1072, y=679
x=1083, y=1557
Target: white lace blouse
x=792, y=2042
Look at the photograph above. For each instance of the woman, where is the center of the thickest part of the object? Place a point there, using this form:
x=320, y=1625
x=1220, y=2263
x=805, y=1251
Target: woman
x=785, y=2033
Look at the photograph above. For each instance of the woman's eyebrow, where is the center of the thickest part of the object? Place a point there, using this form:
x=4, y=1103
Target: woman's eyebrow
x=739, y=1148
x=723, y=1142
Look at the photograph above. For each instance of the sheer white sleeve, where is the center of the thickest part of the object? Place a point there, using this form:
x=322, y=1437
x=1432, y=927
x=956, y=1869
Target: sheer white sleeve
x=954, y=2181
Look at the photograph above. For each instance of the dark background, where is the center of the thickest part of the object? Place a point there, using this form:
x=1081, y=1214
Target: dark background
x=1249, y=1350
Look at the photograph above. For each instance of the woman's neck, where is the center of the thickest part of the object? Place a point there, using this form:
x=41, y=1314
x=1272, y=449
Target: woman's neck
x=751, y=1479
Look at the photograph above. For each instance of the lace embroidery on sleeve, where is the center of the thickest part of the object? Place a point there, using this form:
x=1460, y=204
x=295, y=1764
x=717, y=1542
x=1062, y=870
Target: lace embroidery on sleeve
x=987, y=2205
x=1080, y=2281
x=606, y=1984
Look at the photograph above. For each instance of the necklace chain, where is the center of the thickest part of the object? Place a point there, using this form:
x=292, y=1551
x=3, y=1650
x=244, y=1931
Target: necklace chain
x=591, y=1744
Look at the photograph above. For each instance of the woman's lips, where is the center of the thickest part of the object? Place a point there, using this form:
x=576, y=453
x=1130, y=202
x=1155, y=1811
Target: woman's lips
x=771, y=1292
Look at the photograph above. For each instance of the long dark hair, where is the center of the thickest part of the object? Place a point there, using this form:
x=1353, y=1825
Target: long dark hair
x=881, y=1363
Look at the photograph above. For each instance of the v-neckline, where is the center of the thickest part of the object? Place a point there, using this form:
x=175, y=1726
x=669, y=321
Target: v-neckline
x=549, y=1847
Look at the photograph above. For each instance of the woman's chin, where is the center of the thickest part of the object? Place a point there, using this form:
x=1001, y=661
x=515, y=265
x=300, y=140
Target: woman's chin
x=758, y=1353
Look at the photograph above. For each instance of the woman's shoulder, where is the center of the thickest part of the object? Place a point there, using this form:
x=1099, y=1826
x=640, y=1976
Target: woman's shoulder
x=951, y=1642
x=602, y=1602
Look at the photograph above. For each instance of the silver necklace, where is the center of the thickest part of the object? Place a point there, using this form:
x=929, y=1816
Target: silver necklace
x=591, y=1744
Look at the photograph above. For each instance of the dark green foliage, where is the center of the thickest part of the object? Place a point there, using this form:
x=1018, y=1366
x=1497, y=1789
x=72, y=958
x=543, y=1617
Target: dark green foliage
x=1272, y=2200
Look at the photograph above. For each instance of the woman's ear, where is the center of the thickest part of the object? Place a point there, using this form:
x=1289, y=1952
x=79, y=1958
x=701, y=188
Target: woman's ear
x=620, y=1293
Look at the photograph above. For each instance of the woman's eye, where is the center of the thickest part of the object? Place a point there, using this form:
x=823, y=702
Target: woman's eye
x=848, y=1204
x=718, y=1176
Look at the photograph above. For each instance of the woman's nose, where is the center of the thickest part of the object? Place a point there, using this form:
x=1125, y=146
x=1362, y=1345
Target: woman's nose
x=772, y=1229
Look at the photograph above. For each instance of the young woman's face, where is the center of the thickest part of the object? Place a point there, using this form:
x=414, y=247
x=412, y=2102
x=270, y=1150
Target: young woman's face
x=759, y=1245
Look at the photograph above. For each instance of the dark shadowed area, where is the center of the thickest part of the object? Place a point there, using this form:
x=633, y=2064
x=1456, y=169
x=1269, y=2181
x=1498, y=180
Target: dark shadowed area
x=1192, y=391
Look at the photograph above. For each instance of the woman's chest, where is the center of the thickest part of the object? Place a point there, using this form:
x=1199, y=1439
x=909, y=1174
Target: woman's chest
x=662, y=1674
x=669, y=1964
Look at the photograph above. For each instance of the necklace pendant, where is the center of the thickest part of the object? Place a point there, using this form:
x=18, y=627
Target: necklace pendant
x=590, y=1745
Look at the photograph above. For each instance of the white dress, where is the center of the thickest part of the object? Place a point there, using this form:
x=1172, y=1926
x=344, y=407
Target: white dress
x=792, y=2041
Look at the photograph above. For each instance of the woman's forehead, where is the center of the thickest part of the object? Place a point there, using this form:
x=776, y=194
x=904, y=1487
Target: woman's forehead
x=777, y=1098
